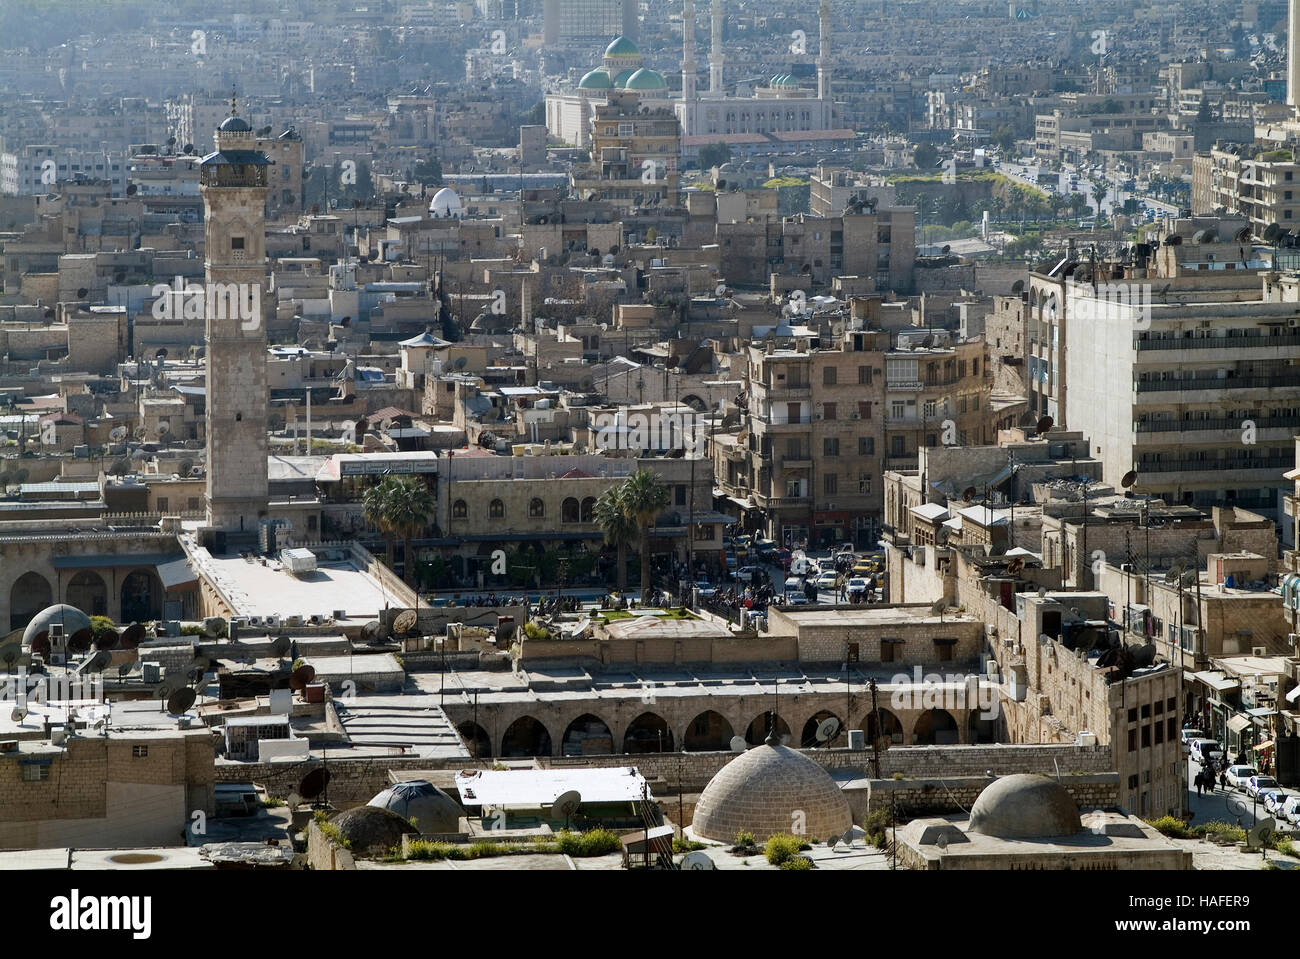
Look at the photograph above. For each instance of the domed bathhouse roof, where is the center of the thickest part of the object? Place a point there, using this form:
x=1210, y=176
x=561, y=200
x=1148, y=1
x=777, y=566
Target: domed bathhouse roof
x=646, y=79
x=759, y=792
x=422, y=804
x=446, y=202
x=372, y=831
x=69, y=617
x=1024, y=806
x=622, y=47
x=595, y=80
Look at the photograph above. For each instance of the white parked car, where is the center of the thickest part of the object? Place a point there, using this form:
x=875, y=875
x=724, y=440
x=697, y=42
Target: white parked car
x=704, y=589
x=1189, y=735
x=1239, y=776
x=1291, y=810
x=1275, y=801
x=1257, y=785
x=1205, y=750
x=750, y=574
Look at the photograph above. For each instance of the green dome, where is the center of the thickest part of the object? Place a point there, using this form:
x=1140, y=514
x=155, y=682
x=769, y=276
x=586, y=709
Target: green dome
x=620, y=81
x=645, y=79
x=595, y=80
x=622, y=47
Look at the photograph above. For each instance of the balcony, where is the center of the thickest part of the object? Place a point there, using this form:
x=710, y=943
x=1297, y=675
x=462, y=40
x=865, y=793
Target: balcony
x=792, y=391
x=1269, y=463
x=1216, y=342
x=1191, y=383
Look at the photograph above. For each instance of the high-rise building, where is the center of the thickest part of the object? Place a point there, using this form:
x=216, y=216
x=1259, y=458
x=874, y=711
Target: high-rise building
x=565, y=21
x=234, y=184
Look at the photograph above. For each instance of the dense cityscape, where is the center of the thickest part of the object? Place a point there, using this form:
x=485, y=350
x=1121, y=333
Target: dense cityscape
x=604, y=435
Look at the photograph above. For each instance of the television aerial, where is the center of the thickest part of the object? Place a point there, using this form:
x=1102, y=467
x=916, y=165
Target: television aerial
x=828, y=729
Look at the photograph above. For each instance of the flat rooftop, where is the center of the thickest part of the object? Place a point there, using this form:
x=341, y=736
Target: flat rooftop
x=258, y=590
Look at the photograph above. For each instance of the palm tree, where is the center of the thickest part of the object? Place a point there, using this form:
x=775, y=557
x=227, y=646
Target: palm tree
x=399, y=505
x=620, y=530
x=644, y=498
x=1099, y=192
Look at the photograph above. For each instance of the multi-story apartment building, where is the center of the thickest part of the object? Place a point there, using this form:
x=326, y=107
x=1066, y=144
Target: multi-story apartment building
x=566, y=21
x=634, y=151
x=35, y=168
x=1265, y=189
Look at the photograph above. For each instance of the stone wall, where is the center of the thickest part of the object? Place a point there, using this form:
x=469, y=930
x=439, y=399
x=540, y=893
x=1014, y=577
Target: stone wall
x=910, y=798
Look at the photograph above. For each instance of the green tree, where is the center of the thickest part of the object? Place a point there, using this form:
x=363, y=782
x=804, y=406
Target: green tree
x=925, y=156
x=714, y=154
x=644, y=497
x=428, y=172
x=399, y=506
x=619, y=529
x=1099, y=193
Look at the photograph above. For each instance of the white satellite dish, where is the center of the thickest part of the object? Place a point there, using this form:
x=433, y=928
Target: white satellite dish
x=1259, y=834
x=117, y=434
x=19, y=714
x=697, y=860
x=566, y=804
x=738, y=744
x=828, y=729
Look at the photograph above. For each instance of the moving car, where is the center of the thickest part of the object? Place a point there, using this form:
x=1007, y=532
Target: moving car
x=859, y=586
x=750, y=574
x=864, y=567
x=704, y=589
x=827, y=580
x=1189, y=735
x=1205, y=750
x=1256, y=785
x=1238, y=776
x=794, y=594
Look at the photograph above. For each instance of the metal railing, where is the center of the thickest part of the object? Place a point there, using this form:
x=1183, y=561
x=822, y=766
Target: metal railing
x=1216, y=342
x=1218, y=465
x=1216, y=383
x=1218, y=423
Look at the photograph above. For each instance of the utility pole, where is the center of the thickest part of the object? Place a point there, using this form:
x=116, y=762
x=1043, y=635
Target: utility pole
x=875, y=740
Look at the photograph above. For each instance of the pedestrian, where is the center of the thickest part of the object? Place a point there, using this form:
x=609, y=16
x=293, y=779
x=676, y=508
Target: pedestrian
x=1200, y=783
x=1223, y=777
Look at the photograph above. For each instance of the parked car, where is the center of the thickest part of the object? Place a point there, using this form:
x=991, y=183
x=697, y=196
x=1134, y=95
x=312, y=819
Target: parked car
x=704, y=589
x=858, y=588
x=1256, y=785
x=1238, y=776
x=1275, y=801
x=750, y=574
x=794, y=594
x=1205, y=750
x=1291, y=810
x=1188, y=736
x=828, y=580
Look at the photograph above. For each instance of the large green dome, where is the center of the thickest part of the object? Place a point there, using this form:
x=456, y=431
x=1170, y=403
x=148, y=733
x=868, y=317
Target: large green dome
x=595, y=80
x=622, y=47
x=645, y=79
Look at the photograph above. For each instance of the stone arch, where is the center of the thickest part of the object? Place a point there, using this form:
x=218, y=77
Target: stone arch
x=526, y=736
x=708, y=732
x=476, y=739
x=808, y=738
x=756, y=734
x=588, y=735
x=980, y=730
x=569, y=511
x=141, y=596
x=648, y=733
x=88, y=593
x=935, y=727
x=536, y=507
x=29, y=595
x=587, y=512
x=890, y=728
x=695, y=402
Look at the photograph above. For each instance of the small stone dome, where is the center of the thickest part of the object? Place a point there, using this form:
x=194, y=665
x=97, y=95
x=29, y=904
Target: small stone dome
x=446, y=203
x=762, y=790
x=1025, y=806
x=646, y=79
x=235, y=125
x=372, y=831
x=70, y=617
x=422, y=804
x=595, y=80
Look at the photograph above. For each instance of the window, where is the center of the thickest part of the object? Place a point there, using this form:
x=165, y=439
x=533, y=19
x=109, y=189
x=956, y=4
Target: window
x=866, y=445
x=1146, y=736
x=459, y=510
x=36, y=774
x=828, y=411
x=588, y=511
x=139, y=752
x=1132, y=740
x=236, y=242
x=831, y=446
x=679, y=495
x=1171, y=728
x=864, y=410
x=830, y=483
x=828, y=376
x=864, y=376
x=887, y=648
x=704, y=531
x=536, y=507
x=569, y=510
x=943, y=649
x=864, y=484
x=496, y=509
x=162, y=504
x=896, y=447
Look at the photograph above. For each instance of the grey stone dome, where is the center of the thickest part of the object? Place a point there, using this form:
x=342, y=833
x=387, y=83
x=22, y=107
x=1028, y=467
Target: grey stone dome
x=235, y=125
x=372, y=831
x=762, y=790
x=70, y=617
x=422, y=804
x=1025, y=806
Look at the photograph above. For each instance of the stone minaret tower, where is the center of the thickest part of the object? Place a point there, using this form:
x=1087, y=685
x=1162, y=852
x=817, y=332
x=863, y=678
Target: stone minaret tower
x=233, y=181
x=715, y=52
x=824, y=51
x=688, y=49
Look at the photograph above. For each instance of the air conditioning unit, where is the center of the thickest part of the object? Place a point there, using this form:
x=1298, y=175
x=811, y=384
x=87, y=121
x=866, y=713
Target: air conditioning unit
x=273, y=622
x=340, y=614
x=1086, y=738
x=1259, y=651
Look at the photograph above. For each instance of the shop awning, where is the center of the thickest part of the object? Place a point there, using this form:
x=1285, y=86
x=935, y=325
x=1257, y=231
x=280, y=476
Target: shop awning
x=1238, y=723
x=1264, y=746
x=1293, y=695
x=1217, y=681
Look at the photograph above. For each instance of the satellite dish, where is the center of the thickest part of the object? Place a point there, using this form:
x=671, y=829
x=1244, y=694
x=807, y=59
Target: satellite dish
x=301, y=677
x=79, y=642
x=567, y=803
x=99, y=662
x=1129, y=479
x=281, y=645
x=314, y=783
x=697, y=861
x=738, y=744
x=404, y=621
x=123, y=670
x=828, y=729
x=968, y=494
x=10, y=653
x=19, y=714
x=1260, y=833
x=1016, y=565
x=1017, y=286
x=1271, y=232
x=131, y=636
x=180, y=701
x=117, y=434
x=849, y=836
x=938, y=606
x=81, y=293
x=1045, y=425
x=371, y=631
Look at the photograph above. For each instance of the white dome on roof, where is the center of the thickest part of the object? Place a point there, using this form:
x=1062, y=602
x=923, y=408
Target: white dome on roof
x=446, y=203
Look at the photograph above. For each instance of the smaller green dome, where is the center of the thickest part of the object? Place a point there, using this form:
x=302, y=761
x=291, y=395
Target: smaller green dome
x=595, y=80
x=645, y=79
x=622, y=47
x=620, y=81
